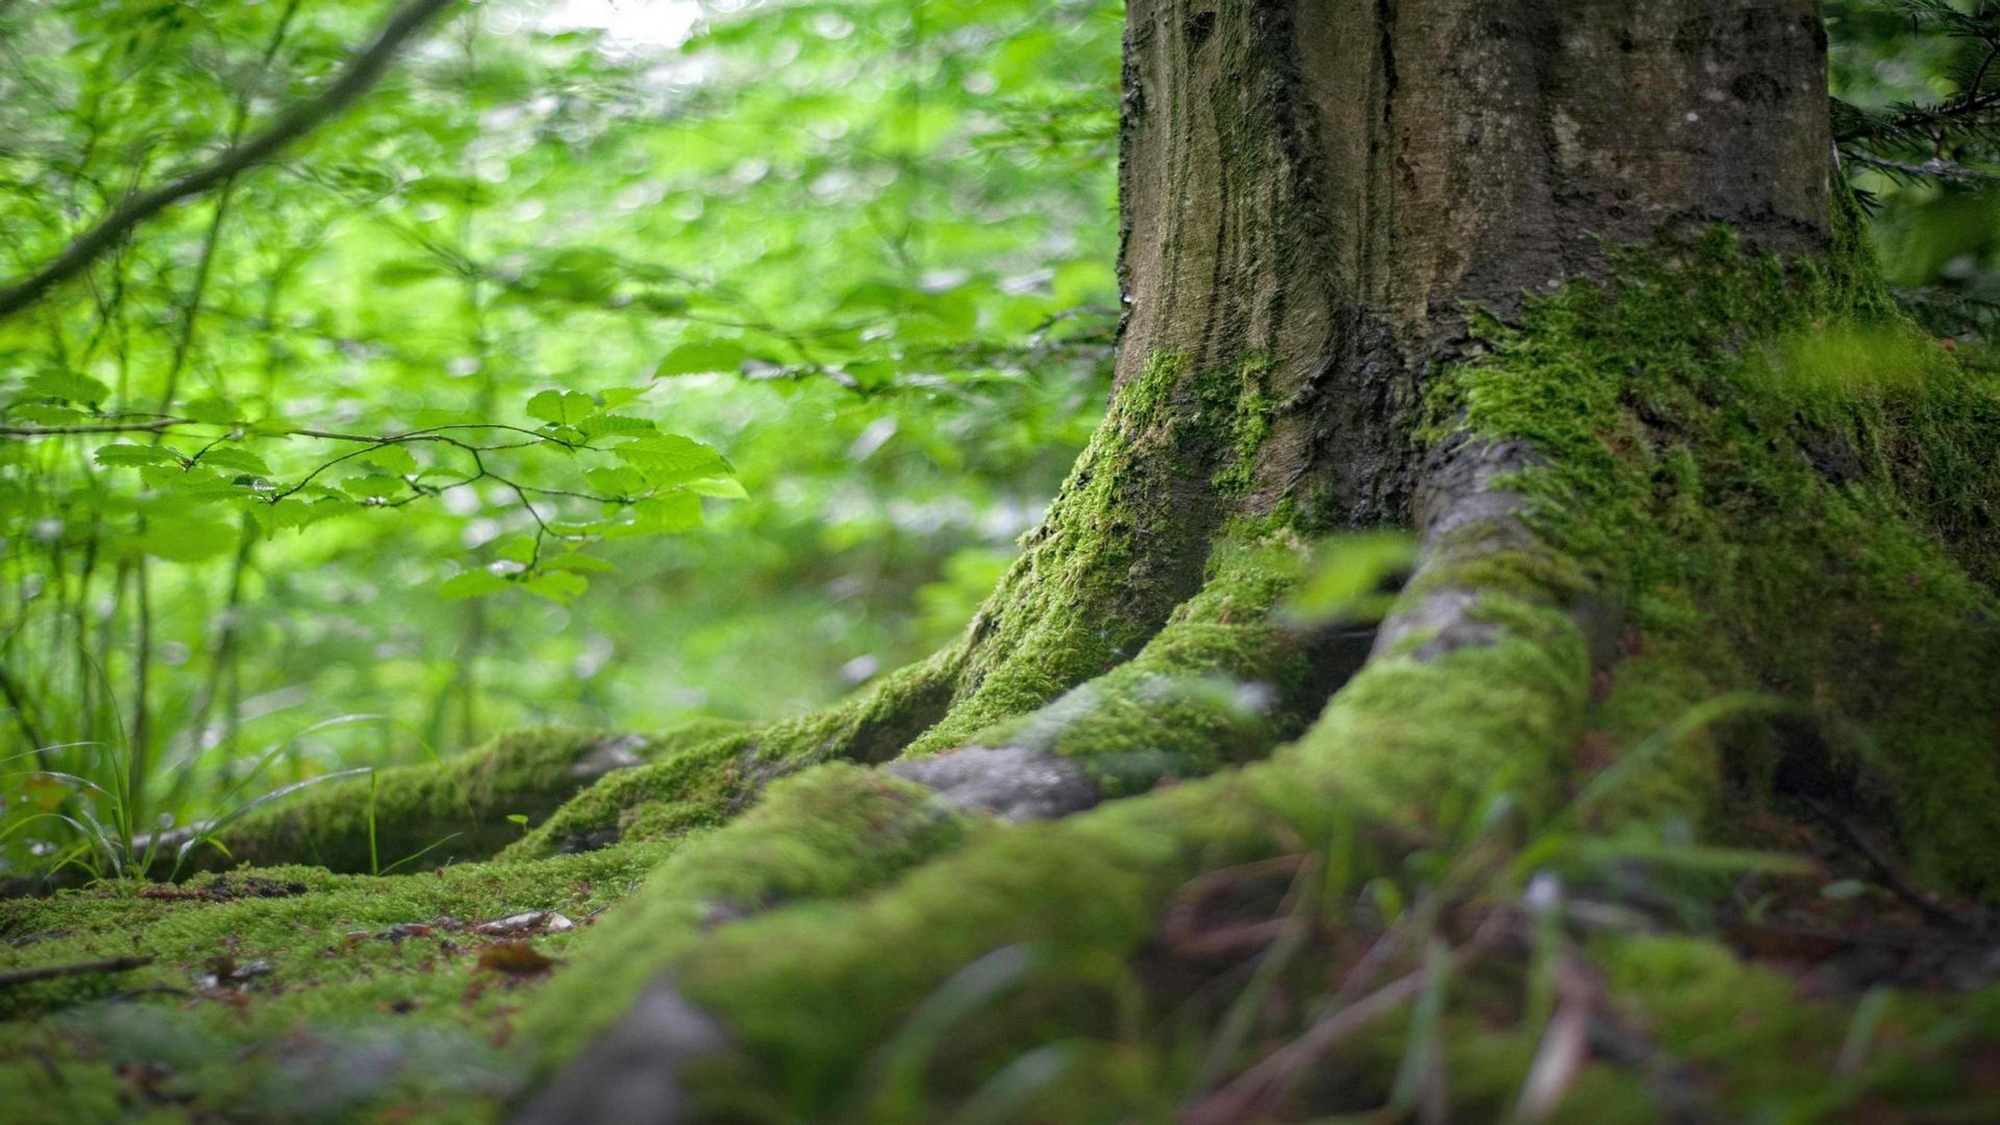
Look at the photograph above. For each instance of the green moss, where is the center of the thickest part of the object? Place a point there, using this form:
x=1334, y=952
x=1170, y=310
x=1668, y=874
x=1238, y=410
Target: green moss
x=1122, y=546
x=428, y=814
x=834, y=831
x=1649, y=694
x=704, y=783
x=1787, y=487
x=1222, y=683
x=1771, y=1053
x=341, y=1022
x=1673, y=470
x=808, y=990
x=1250, y=416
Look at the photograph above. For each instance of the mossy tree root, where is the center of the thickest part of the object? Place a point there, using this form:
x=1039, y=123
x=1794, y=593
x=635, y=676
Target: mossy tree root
x=1129, y=549
x=453, y=809
x=810, y=992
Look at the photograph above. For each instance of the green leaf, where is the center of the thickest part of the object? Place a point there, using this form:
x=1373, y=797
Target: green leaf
x=557, y=586
x=670, y=459
x=43, y=414
x=68, y=386
x=292, y=514
x=674, y=511
x=579, y=562
x=561, y=408
x=722, y=488
x=396, y=460
x=124, y=454
x=1354, y=577
x=197, y=485
x=472, y=584
x=616, y=482
x=241, y=460
x=605, y=424
x=702, y=356
x=518, y=548
x=615, y=397
x=375, y=486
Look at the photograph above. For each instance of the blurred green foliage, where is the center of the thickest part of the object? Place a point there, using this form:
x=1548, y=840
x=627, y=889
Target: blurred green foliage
x=793, y=326
x=1918, y=117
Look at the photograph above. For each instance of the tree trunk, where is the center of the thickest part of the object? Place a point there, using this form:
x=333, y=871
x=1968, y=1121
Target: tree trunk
x=1324, y=186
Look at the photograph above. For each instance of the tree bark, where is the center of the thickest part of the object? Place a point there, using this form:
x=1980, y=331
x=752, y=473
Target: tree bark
x=1327, y=185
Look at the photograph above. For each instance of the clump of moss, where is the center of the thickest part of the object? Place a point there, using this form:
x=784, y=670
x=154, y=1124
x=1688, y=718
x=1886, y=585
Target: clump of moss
x=833, y=831
x=1781, y=481
x=1221, y=683
x=287, y=994
x=1121, y=548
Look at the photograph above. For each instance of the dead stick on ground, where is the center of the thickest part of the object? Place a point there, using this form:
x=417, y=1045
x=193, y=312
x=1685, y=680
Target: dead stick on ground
x=81, y=968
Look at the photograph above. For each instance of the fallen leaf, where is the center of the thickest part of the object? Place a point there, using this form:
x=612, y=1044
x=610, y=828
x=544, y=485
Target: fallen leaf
x=515, y=958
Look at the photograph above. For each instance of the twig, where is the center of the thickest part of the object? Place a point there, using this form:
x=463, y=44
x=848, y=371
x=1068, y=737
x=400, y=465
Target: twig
x=361, y=74
x=80, y=968
x=1892, y=875
x=154, y=427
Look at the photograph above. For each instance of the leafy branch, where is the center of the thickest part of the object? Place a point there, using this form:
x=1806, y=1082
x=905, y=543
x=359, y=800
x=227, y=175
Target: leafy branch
x=366, y=69
x=655, y=484
x=1952, y=140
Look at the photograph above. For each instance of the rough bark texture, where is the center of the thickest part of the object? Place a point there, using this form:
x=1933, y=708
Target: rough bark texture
x=1326, y=184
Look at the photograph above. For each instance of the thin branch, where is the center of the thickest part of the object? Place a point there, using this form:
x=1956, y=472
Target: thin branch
x=84, y=968
x=361, y=74
x=155, y=427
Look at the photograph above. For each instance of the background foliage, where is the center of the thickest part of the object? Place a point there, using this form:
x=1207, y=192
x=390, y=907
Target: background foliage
x=710, y=363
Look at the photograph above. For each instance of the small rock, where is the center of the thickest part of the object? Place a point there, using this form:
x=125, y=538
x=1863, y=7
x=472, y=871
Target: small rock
x=534, y=921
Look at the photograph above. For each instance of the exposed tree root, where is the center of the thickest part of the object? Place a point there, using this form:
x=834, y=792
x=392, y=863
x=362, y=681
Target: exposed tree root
x=807, y=992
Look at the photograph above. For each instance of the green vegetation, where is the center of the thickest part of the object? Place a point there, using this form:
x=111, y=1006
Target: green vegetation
x=576, y=243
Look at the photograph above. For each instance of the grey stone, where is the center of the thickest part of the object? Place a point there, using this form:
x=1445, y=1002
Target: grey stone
x=1010, y=782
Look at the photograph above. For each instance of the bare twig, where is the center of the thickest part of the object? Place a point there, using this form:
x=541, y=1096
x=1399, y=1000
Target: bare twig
x=360, y=75
x=154, y=427
x=1892, y=875
x=78, y=969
